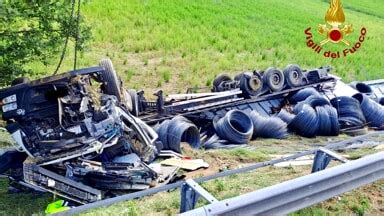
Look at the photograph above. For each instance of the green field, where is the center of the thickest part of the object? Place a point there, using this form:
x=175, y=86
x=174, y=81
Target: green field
x=175, y=44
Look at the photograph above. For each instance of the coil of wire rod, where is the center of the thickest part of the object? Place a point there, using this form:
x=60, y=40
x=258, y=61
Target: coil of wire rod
x=381, y=101
x=324, y=121
x=312, y=101
x=349, y=112
x=286, y=116
x=305, y=123
x=361, y=87
x=214, y=142
x=235, y=127
x=303, y=94
x=334, y=119
x=328, y=124
x=179, y=129
x=162, y=131
x=373, y=112
x=268, y=127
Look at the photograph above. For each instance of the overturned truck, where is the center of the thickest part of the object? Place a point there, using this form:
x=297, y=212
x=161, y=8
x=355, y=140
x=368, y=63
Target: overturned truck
x=81, y=135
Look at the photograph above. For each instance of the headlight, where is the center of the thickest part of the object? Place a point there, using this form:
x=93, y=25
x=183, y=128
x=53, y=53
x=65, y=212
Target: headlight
x=9, y=99
x=9, y=107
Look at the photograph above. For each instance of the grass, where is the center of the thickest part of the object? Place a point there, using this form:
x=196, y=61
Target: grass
x=5, y=139
x=195, y=40
x=367, y=200
x=22, y=203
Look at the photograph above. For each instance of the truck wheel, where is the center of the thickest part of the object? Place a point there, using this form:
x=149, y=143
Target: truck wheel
x=293, y=76
x=135, y=102
x=109, y=77
x=274, y=79
x=238, y=76
x=251, y=84
x=218, y=80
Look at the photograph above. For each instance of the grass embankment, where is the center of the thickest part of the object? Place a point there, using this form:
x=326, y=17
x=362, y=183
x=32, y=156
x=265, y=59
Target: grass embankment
x=174, y=44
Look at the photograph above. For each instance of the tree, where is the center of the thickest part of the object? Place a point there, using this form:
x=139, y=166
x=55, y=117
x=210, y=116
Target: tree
x=36, y=30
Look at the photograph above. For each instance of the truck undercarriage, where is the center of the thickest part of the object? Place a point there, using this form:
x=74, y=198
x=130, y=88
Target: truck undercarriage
x=81, y=135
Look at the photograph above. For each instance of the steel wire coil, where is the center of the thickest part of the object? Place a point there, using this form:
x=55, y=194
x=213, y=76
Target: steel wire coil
x=303, y=94
x=286, y=116
x=235, y=127
x=305, y=123
x=334, y=118
x=179, y=129
x=361, y=87
x=373, y=112
x=215, y=142
x=268, y=127
x=313, y=101
x=349, y=112
x=328, y=122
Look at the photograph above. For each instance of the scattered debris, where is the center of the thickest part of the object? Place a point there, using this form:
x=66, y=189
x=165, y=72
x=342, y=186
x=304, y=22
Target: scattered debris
x=84, y=137
x=186, y=164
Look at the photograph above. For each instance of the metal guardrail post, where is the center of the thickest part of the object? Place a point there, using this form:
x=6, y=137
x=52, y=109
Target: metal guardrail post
x=191, y=191
x=323, y=157
x=301, y=192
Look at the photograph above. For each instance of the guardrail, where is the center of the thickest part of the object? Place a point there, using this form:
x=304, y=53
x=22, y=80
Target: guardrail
x=302, y=192
x=192, y=191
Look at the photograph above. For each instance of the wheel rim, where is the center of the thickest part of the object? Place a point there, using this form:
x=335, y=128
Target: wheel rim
x=295, y=75
x=276, y=79
x=254, y=83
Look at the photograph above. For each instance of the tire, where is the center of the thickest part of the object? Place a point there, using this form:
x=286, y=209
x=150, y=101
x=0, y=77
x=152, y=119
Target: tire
x=20, y=80
x=218, y=80
x=251, y=84
x=274, y=79
x=238, y=76
x=109, y=77
x=135, y=102
x=293, y=76
x=127, y=100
